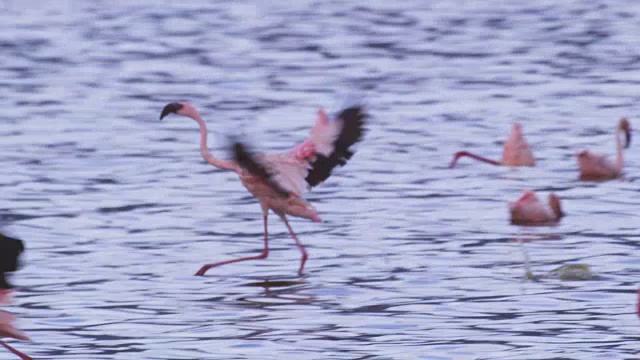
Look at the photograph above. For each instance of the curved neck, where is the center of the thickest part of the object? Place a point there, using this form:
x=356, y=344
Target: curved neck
x=204, y=150
x=460, y=154
x=619, y=149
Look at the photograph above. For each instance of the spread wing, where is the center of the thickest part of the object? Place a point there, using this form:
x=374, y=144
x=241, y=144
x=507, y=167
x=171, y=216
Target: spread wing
x=311, y=162
x=258, y=167
x=352, y=128
x=330, y=142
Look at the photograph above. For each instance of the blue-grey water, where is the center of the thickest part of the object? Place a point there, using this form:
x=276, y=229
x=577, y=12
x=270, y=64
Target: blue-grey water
x=413, y=260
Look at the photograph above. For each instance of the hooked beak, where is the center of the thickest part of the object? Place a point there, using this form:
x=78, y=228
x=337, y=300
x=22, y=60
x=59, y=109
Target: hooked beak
x=170, y=108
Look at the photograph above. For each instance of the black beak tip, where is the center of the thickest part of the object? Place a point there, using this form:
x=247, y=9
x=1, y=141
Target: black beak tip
x=628, y=139
x=170, y=108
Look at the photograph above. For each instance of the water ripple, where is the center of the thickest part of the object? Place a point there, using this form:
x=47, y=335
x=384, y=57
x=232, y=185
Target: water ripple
x=413, y=259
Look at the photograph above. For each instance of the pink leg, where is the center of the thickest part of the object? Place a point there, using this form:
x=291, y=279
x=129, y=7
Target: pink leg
x=16, y=352
x=303, y=251
x=263, y=255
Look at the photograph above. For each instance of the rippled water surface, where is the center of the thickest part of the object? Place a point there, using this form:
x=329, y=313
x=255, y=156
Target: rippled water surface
x=412, y=260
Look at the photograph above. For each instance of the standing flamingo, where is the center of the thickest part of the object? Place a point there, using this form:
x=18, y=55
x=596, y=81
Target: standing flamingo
x=278, y=180
x=10, y=250
x=595, y=167
x=516, y=151
x=529, y=210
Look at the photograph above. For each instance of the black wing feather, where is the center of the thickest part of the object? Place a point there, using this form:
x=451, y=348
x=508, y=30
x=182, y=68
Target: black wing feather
x=10, y=250
x=245, y=159
x=353, y=119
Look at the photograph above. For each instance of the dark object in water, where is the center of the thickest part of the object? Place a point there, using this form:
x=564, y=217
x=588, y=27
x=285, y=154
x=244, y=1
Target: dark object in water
x=10, y=250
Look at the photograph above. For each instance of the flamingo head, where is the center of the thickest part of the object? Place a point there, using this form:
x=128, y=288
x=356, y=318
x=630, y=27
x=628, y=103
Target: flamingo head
x=179, y=108
x=584, y=154
x=517, y=127
x=625, y=126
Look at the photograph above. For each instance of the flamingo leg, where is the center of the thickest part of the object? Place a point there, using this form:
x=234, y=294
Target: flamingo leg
x=263, y=255
x=14, y=351
x=303, y=251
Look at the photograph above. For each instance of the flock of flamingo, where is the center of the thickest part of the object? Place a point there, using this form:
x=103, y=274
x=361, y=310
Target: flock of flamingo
x=280, y=180
x=528, y=209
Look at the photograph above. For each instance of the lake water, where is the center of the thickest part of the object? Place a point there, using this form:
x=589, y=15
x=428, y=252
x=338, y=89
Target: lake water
x=413, y=260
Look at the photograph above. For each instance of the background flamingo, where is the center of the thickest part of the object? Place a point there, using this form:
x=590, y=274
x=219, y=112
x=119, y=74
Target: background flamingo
x=516, y=151
x=529, y=210
x=595, y=167
x=279, y=180
x=10, y=250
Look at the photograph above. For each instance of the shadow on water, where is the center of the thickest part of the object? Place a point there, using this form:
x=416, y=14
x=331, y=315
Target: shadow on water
x=278, y=293
x=269, y=284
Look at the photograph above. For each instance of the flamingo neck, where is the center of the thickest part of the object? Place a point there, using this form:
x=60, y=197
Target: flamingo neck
x=619, y=150
x=460, y=154
x=204, y=150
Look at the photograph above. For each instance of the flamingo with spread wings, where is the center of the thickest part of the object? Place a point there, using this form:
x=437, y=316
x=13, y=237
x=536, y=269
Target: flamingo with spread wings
x=279, y=180
x=515, y=152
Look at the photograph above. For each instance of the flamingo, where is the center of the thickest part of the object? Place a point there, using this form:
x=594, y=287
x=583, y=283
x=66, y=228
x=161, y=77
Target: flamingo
x=515, y=152
x=10, y=250
x=529, y=210
x=595, y=167
x=279, y=180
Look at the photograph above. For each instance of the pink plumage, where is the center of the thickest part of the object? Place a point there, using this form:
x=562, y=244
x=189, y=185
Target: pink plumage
x=515, y=152
x=529, y=210
x=596, y=167
x=279, y=180
x=7, y=329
